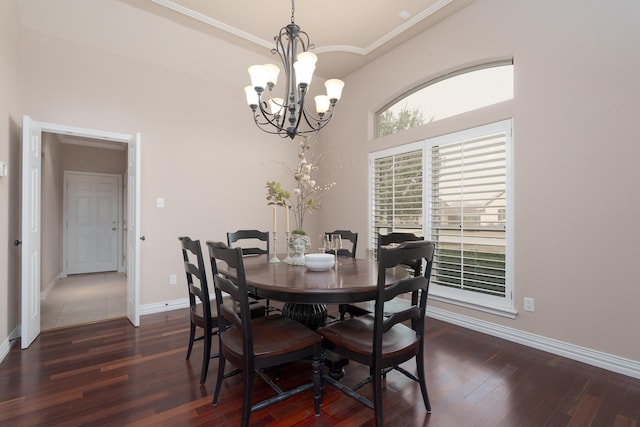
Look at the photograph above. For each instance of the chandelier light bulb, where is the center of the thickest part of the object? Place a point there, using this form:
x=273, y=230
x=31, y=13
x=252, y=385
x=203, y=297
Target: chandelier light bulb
x=304, y=71
x=276, y=105
x=258, y=75
x=307, y=57
x=322, y=104
x=334, y=89
x=272, y=72
x=252, y=96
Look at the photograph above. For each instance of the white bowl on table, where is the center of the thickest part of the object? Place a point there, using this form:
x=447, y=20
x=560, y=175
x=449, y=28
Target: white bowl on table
x=319, y=262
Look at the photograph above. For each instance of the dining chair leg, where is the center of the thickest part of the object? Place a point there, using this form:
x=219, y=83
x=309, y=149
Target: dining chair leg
x=423, y=381
x=192, y=334
x=246, y=397
x=206, y=357
x=216, y=393
x=377, y=395
x=316, y=364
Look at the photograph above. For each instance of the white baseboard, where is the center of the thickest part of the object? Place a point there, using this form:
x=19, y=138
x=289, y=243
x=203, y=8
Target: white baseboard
x=7, y=343
x=582, y=354
x=50, y=286
x=160, y=307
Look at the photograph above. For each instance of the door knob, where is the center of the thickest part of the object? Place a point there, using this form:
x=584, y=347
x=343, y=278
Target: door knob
x=113, y=229
x=17, y=242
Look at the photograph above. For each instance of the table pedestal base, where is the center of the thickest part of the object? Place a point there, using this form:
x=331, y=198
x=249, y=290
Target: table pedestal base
x=311, y=315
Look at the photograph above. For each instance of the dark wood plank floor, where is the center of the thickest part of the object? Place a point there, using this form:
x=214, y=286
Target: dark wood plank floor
x=113, y=374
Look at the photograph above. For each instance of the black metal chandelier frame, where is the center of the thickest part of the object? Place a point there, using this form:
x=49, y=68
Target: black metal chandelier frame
x=291, y=117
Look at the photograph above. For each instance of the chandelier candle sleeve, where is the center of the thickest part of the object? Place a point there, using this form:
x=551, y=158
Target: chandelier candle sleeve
x=287, y=116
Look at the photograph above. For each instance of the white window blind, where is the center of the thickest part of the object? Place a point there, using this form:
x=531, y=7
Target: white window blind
x=397, y=192
x=468, y=204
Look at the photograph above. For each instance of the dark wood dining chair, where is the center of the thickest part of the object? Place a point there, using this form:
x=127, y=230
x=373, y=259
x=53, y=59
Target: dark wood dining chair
x=254, y=346
x=202, y=313
x=382, y=240
x=347, y=235
x=255, y=236
x=381, y=340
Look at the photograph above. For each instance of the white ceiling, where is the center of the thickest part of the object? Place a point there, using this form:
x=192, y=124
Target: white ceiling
x=347, y=34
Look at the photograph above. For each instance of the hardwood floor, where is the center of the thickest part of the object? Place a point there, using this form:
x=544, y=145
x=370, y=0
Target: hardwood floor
x=110, y=373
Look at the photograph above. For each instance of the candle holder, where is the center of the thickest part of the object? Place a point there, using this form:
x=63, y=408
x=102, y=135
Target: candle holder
x=288, y=258
x=274, y=259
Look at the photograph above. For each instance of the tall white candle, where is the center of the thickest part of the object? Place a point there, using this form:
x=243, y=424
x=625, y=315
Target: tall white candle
x=287, y=218
x=274, y=219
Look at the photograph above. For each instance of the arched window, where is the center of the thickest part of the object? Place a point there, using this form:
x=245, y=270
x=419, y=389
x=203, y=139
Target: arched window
x=446, y=96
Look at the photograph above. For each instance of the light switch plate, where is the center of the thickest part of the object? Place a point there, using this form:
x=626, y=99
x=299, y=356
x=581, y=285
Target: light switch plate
x=160, y=202
x=3, y=169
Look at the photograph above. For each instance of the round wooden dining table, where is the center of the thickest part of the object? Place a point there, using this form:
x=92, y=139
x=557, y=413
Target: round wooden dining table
x=350, y=280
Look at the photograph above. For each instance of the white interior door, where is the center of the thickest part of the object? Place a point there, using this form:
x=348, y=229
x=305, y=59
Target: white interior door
x=31, y=196
x=92, y=207
x=133, y=229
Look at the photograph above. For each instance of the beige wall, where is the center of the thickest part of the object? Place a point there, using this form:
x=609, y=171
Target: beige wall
x=576, y=150
x=9, y=154
x=51, y=216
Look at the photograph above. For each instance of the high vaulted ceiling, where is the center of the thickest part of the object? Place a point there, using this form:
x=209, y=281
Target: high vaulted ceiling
x=347, y=34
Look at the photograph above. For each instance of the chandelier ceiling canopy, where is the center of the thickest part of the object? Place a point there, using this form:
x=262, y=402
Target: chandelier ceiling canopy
x=287, y=115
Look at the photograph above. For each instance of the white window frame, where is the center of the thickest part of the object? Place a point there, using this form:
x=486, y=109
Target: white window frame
x=503, y=306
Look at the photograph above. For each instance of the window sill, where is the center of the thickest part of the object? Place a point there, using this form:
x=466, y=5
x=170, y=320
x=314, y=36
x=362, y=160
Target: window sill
x=491, y=309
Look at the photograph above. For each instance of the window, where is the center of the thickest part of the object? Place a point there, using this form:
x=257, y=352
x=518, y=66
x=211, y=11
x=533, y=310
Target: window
x=468, y=204
x=446, y=96
x=396, y=183
x=466, y=196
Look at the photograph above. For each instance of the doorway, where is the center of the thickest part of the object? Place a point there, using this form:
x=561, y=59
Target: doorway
x=84, y=280
x=35, y=212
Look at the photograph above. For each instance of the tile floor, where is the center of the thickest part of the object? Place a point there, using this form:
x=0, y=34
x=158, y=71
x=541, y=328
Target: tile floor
x=84, y=298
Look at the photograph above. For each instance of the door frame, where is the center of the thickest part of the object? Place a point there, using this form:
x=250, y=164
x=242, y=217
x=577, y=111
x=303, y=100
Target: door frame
x=65, y=212
x=31, y=300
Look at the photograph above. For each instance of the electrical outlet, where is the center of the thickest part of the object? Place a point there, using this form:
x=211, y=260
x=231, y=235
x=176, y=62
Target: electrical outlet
x=173, y=279
x=528, y=304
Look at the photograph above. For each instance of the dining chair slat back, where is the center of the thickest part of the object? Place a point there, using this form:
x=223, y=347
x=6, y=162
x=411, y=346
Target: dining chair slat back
x=255, y=236
x=347, y=235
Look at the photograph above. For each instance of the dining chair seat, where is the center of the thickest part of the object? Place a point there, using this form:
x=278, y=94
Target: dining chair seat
x=272, y=336
x=356, y=336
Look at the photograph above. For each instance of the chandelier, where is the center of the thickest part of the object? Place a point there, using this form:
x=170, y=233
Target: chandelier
x=288, y=116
